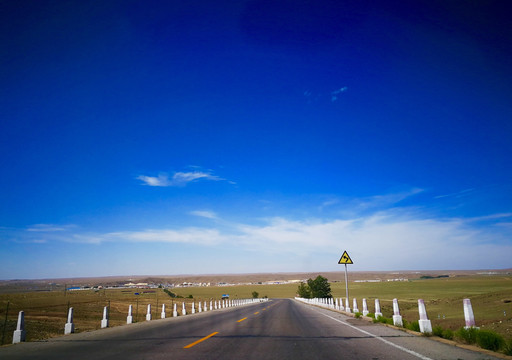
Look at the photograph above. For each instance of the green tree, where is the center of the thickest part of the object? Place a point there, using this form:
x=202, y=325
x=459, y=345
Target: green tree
x=304, y=291
x=255, y=294
x=320, y=287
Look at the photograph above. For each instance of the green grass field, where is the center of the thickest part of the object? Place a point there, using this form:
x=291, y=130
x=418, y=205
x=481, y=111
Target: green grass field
x=45, y=312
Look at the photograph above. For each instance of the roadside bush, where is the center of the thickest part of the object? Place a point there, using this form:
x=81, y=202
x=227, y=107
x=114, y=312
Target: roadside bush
x=437, y=331
x=358, y=315
x=442, y=333
x=507, y=349
x=489, y=340
x=467, y=336
x=447, y=334
x=170, y=293
x=414, y=326
x=383, y=320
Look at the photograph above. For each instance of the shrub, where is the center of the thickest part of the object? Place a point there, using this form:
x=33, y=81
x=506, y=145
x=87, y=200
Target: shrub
x=414, y=326
x=358, y=315
x=170, y=293
x=489, y=340
x=467, y=335
x=442, y=333
x=438, y=331
x=447, y=334
x=507, y=348
x=383, y=320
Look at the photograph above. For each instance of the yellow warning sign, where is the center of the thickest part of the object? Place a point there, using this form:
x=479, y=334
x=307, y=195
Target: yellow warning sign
x=345, y=259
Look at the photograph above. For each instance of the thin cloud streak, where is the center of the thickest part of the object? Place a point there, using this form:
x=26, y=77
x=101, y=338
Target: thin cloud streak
x=178, y=179
x=48, y=228
x=204, y=213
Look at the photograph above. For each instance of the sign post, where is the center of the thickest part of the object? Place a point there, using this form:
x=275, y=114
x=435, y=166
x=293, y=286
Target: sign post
x=345, y=259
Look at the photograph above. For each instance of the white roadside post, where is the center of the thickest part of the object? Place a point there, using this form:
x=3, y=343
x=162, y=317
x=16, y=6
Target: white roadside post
x=104, y=321
x=205, y=307
x=424, y=322
x=174, y=311
x=69, y=328
x=356, y=309
x=199, y=307
x=397, y=318
x=468, y=314
x=341, y=304
x=148, y=313
x=347, y=307
x=183, y=309
x=193, y=308
x=129, y=318
x=378, y=313
x=162, y=315
x=365, y=308
x=19, y=333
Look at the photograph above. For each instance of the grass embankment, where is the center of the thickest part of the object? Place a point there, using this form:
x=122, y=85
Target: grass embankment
x=491, y=298
x=45, y=312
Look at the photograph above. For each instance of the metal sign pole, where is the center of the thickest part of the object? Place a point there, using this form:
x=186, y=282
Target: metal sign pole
x=346, y=281
x=345, y=259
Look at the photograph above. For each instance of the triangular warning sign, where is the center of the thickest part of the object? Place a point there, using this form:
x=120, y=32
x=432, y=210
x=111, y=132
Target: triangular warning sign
x=345, y=259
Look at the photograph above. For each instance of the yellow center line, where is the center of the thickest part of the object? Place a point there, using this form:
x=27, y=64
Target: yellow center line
x=200, y=340
x=256, y=313
x=242, y=319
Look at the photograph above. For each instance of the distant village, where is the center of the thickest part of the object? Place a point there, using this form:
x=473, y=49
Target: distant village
x=145, y=285
x=185, y=284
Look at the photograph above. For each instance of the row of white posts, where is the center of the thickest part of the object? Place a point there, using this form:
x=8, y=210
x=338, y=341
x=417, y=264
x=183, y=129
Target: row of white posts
x=424, y=322
x=19, y=333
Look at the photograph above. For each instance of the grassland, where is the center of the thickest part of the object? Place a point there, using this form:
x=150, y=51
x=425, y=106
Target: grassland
x=45, y=311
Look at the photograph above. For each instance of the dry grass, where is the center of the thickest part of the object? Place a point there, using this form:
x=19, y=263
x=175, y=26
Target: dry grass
x=46, y=312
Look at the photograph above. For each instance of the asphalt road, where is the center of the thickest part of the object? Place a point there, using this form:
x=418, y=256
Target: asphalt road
x=278, y=329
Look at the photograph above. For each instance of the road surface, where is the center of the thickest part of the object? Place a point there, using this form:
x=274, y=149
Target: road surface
x=278, y=329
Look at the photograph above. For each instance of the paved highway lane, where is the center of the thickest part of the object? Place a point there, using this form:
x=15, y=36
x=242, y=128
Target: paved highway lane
x=278, y=329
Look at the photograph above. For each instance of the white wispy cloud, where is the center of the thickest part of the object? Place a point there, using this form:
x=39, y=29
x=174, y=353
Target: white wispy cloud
x=183, y=236
x=457, y=194
x=384, y=201
x=314, y=97
x=335, y=93
x=49, y=228
x=204, y=213
x=161, y=180
x=179, y=178
x=383, y=240
x=378, y=235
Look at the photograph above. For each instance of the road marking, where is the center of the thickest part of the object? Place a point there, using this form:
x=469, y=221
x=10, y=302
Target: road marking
x=377, y=337
x=242, y=319
x=256, y=313
x=200, y=340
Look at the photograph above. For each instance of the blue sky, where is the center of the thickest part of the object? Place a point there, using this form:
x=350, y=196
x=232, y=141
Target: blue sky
x=170, y=137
